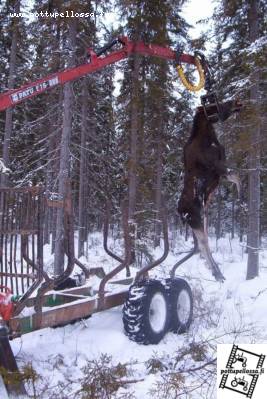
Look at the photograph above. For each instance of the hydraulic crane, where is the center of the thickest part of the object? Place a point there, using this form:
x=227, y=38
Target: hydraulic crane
x=98, y=61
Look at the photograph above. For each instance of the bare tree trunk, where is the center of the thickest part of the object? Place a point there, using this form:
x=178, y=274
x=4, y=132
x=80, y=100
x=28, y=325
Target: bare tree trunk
x=158, y=188
x=133, y=139
x=241, y=226
x=11, y=80
x=81, y=217
x=53, y=149
x=253, y=236
x=50, y=175
x=218, y=215
x=64, y=167
x=233, y=219
x=133, y=161
x=186, y=232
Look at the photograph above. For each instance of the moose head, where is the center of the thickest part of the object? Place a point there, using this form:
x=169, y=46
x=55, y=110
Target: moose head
x=220, y=111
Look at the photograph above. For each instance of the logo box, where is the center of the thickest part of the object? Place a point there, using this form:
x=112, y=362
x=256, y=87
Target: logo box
x=240, y=371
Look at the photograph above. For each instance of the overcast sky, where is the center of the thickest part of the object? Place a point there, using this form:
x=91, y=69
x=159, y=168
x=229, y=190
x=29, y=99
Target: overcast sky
x=196, y=10
x=193, y=11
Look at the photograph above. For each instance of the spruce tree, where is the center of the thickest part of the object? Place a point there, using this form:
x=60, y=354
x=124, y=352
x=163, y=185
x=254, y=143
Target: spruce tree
x=14, y=60
x=152, y=113
x=240, y=30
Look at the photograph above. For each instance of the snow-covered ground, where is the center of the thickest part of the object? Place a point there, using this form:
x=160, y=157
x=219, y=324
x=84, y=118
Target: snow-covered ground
x=233, y=312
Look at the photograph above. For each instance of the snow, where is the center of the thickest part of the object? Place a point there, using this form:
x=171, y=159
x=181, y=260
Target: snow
x=254, y=48
x=234, y=311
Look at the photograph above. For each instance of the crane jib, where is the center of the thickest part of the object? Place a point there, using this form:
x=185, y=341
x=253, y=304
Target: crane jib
x=37, y=88
x=15, y=96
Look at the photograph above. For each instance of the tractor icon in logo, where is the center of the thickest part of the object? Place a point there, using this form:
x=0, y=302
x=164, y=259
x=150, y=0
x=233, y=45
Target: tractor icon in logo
x=240, y=358
x=240, y=381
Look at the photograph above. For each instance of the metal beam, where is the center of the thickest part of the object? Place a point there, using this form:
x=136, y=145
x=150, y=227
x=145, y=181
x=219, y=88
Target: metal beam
x=65, y=313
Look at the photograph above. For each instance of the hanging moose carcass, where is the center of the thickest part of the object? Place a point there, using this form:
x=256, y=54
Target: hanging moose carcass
x=204, y=166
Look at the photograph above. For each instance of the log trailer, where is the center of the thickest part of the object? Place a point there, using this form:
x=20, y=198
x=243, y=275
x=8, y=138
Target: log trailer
x=151, y=307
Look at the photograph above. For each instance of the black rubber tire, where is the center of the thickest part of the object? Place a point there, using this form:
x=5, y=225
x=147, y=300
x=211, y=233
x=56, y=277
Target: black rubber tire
x=139, y=309
x=176, y=287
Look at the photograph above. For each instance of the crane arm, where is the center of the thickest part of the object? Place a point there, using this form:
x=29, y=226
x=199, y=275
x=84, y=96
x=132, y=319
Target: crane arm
x=29, y=90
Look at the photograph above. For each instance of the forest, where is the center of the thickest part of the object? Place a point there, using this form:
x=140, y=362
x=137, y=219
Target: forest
x=115, y=137
x=128, y=145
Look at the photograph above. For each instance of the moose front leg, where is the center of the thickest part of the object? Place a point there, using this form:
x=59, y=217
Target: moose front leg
x=203, y=245
x=192, y=215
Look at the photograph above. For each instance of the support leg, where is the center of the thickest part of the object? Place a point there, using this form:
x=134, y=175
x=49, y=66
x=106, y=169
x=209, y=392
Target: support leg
x=8, y=363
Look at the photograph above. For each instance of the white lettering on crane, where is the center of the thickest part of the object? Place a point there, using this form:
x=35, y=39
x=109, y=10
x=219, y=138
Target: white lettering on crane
x=37, y=88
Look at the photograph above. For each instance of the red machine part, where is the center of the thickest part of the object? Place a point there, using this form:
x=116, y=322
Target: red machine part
x=16, y=96
x=6, y=304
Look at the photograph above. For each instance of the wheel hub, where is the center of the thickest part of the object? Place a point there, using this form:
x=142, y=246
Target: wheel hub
x=157, y=312
x=183, y=306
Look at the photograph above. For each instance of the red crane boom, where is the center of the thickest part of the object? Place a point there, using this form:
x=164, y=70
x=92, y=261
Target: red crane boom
x=16, y=96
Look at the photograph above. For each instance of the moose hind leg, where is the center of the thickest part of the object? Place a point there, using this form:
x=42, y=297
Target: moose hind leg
x=234, y=178
x=203, y=245
x=205, y=219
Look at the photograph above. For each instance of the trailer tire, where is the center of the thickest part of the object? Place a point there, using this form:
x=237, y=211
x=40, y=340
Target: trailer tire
x=146, y=312
x=181, y=305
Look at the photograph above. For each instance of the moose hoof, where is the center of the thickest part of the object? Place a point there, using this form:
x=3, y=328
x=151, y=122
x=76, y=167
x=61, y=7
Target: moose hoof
x=219, y=276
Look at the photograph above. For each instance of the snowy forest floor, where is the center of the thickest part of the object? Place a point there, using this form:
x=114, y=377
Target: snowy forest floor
x=94, y=358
